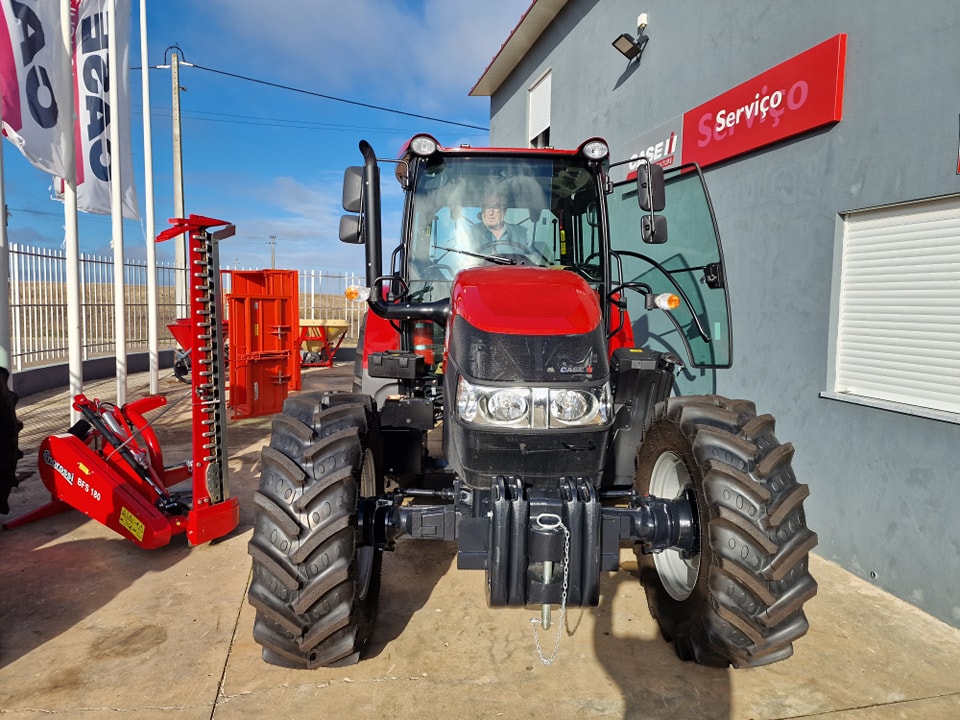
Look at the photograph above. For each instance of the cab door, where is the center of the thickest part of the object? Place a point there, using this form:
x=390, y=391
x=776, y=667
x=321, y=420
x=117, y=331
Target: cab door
x=689, y=264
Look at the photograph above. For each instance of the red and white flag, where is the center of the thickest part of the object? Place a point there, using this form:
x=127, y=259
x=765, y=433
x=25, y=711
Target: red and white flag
x=37, y=94
x=92, y=46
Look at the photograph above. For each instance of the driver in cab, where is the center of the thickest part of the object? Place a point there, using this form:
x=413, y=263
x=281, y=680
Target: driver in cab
x=494, y=236
x=493, y=233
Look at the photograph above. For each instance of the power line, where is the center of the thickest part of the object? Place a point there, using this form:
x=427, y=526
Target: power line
x=334, y=98
x=255, y=120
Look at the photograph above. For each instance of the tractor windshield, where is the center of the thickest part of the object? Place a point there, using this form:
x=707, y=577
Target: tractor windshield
x=468, y=211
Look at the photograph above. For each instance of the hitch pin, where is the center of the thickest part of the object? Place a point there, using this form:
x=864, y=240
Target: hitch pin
x=545, y=608
x=547, y=521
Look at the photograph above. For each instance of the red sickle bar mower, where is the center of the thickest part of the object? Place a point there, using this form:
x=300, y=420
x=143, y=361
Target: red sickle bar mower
x=110, y=466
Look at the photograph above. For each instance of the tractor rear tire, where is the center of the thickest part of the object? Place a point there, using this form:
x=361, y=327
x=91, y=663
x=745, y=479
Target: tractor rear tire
x=738, y=599
x=314, y=590
x=10, y=451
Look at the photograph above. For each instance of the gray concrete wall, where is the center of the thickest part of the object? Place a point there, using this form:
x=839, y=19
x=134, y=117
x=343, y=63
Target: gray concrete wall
x=34, y=380
x=883, y=484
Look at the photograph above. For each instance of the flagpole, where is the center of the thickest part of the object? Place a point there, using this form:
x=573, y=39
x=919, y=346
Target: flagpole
x=116, y=209
x=152, y=323
x=71, y=239
x=4, y=262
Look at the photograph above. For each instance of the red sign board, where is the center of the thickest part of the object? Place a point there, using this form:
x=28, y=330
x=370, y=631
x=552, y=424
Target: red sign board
x=798, y=95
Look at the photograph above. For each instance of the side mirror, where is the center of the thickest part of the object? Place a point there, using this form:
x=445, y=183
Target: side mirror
x=350, y=229
x=352, y=190
x=651, y=192
x=653, y=229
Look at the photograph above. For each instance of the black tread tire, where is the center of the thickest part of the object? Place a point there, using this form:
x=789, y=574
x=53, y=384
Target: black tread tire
x=182, y=369
x=314, y=591
x=10, y=451
x=745, y=607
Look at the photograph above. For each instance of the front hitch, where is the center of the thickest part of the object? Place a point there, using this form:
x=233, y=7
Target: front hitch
x=526, y=560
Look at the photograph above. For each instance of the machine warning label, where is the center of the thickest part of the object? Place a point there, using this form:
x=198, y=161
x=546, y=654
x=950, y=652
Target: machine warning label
x=131, y=523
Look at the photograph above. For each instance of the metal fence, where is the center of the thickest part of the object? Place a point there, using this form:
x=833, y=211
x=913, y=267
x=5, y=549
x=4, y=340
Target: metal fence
x=38, y=304
x=322, y=298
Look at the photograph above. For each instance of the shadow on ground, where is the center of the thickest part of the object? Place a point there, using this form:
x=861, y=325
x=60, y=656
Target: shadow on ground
x=676, y=689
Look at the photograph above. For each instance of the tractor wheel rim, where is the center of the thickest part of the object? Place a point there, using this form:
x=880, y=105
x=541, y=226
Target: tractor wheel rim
x=365, y=555
x=678, y=574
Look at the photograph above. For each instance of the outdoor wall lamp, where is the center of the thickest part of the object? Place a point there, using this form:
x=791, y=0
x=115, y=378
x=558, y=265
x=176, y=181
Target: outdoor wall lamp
x=627, y=46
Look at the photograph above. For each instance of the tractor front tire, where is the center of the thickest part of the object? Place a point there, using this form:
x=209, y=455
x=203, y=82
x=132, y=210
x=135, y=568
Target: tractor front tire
x=738, y=598
x=314, y=590
x=10, y=451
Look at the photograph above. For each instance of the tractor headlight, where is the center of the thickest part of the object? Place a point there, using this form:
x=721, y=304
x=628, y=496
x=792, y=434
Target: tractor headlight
x=580, y=407
x=536, y=408
x=569, y=406
x=507, y=406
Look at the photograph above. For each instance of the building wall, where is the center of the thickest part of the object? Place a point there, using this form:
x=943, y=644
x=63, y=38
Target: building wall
x=883, y=484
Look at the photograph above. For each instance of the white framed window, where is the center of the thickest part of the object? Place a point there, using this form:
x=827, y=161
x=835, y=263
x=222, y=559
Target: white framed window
x=895, y=317
x=538, y=111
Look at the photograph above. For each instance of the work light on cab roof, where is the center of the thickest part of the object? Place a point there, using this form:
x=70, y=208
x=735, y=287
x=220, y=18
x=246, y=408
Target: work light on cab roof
x=595, y=149
x=423, y=145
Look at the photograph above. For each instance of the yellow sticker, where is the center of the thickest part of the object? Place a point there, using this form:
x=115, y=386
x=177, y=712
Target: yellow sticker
x=131, y=523
x=83, y=468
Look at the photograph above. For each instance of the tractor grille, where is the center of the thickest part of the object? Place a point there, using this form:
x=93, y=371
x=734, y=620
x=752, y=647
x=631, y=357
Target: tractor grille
x=506, y=358
x=541, y=459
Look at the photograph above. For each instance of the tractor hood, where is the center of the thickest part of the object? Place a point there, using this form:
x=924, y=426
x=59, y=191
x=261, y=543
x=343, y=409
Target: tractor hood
x=526, y=325
x=525, y=301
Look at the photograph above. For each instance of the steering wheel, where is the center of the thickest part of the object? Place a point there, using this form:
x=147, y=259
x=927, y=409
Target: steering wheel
x=488, y=246
x=528, y=251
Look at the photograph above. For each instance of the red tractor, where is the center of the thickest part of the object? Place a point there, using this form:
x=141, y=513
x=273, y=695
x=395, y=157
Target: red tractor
x=515, y=392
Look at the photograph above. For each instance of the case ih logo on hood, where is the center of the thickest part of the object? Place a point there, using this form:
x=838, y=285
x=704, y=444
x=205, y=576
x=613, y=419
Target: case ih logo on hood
x=64, y=473
x=573, y=366
x=567, y=369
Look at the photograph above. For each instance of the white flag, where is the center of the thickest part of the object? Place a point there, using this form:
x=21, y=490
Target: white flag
x=94, y=114
x=37, y=94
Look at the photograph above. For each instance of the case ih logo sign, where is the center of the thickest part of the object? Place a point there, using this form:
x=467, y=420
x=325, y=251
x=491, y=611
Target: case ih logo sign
x=796, y=96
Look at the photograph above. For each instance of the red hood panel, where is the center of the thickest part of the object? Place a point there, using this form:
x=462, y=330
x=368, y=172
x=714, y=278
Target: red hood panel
x=525, y=300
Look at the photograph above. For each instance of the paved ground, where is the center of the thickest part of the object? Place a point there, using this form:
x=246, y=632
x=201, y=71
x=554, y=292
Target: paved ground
x=93, y=627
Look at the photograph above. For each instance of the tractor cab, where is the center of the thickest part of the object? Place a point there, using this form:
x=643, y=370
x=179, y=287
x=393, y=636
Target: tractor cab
x=509, y=209
x=467, y=211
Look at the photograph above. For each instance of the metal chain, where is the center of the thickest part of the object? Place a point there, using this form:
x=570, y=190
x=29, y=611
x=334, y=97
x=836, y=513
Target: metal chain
x=556, y=521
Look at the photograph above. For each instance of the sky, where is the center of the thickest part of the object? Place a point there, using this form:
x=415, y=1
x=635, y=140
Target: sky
x=271, y=160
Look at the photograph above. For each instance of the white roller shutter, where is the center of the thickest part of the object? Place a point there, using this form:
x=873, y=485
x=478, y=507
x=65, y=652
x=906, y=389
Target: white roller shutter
x=899, y=305
x=538, y=110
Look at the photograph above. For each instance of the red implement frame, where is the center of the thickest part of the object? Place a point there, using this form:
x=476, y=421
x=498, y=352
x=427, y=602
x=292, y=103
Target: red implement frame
x=320, y=340
x=111, y=467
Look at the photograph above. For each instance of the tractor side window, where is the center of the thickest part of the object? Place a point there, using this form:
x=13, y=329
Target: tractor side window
x=691, y=260
x=580, y=241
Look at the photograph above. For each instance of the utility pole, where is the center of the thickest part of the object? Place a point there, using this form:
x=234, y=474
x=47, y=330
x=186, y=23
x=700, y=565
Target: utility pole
x=180, y=246
x=273, y=251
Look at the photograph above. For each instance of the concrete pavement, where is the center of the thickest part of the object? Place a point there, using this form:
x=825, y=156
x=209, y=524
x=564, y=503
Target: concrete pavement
x=93, y=627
